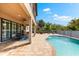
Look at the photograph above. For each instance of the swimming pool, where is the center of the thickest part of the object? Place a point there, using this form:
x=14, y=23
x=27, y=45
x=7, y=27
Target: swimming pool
x=64, y=46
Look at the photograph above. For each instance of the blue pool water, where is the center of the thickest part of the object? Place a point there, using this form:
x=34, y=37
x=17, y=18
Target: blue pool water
x=64, y=46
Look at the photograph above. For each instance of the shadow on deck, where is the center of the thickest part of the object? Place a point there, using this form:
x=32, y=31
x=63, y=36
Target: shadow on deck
x=9, y=45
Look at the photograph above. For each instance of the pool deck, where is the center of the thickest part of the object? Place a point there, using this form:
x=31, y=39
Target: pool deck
x=38, y=47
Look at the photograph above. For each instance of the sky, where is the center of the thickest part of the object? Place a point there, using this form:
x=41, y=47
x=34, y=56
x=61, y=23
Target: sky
x=57, y=13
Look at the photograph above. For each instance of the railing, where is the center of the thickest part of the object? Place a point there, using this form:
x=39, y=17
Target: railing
x=69, y=33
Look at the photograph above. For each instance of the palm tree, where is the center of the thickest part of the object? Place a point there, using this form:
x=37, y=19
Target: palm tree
x=74, y=24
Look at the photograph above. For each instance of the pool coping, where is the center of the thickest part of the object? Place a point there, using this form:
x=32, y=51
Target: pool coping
x=51, y=45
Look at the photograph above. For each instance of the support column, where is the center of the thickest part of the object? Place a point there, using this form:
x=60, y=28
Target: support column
x=34, y=30
x=30, y=29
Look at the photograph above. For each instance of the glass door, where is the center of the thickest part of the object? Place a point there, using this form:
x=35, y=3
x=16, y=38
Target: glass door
x=18, y=28
x=0, y=29
x=21, y=29
x=13, y=29
x=5, y=30
x=8, y=29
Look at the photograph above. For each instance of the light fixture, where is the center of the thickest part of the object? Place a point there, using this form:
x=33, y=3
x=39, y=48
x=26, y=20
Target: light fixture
x=19, y=15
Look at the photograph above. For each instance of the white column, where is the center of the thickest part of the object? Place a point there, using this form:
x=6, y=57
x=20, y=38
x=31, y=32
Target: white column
x=30, y=29
x=34, y=30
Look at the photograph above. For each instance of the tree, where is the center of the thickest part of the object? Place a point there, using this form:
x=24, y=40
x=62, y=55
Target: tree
x=43, y=26
x=47, y=26
x=40, y=26
x=74, y=24
x=41, y=23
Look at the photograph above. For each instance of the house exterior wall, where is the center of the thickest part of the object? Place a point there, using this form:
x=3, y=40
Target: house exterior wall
x=29, y=8
x=17, y=14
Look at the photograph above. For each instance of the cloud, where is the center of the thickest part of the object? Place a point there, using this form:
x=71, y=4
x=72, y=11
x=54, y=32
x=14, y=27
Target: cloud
x=46, y=9
x=62, y=18
x=55, y=15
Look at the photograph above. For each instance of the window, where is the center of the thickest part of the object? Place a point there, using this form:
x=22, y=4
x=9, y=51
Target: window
x=27, y=28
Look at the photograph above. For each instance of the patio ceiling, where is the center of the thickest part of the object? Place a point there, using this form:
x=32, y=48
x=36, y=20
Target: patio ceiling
x=13, y=10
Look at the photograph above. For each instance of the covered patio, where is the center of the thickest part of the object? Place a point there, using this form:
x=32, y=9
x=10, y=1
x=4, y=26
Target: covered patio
x=17, y=13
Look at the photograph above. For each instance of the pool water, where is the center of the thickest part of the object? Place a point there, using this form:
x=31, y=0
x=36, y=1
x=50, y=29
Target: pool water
x=64, y=46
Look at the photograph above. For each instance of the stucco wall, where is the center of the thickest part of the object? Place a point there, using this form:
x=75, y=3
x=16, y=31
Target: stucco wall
x=29, y=9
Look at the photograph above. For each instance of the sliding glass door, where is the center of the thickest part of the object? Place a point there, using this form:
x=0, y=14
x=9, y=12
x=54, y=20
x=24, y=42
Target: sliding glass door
x=5, y=30
x=0, y=29
x=18, y=28
x=22, y=29
x=9, y=29
x=13, y=29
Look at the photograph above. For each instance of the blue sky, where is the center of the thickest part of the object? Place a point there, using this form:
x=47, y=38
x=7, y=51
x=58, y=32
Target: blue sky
x=57, y=13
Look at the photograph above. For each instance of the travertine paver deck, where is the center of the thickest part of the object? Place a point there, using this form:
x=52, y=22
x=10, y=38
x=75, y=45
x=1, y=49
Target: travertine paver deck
x=38, y=47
